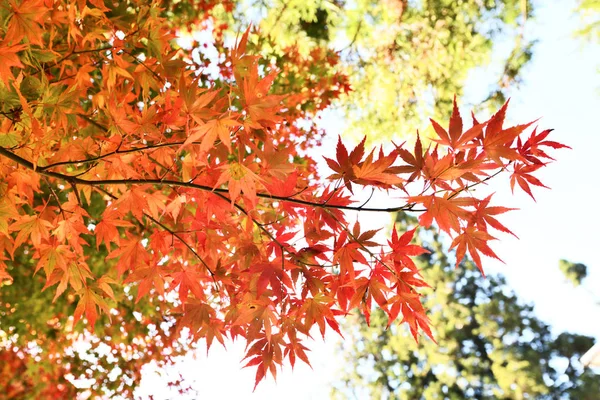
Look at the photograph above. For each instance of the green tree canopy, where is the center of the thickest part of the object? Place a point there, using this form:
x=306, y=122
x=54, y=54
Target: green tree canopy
x=405, y=59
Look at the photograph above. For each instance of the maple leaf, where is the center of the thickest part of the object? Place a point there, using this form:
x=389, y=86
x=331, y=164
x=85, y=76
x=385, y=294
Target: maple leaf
x=295, y=349
x=200, y=318
x=484, y=216
x=438, y=170
x=122, y=119
x=130, y=254
x=377, y=173
x=309, y=255
x=240, y=49
x=345, y=162
x=402, y=249
x=530, y=149
x=8, y=212
x=188, y=280
x=272, y=275
x=346, y=254
x=70, y=230
x=24, y=21
x=87, y=304
x=497, y=141
x=351, y=169
x=240, y=179
x=104, y=284
x=9, y=58
x=53, y=256
x=260, y=314
x=416, y=319
x=196, y=100
x=264, y=355
x=148, y=277
x=415, y=161
x=454, y=137
x=364, y=238
x=475, y=242
x=262, y=108
x=522, y=174
x=210, y=131
x=31, y=227
x=318, y=310
x=156, y=204
x=106, y=230
x=446, y=211
x=282, y=188
x=366, y=291
x=133, y=201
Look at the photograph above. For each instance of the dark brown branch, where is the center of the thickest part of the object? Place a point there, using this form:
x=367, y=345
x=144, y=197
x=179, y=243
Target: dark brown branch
x=165, y=182
x=270, y=235
x=143, y=64
x=91, y=121
x=99, y=49
x=349, y=46
x=118, y=151
x=472, y=185
x=112, y=153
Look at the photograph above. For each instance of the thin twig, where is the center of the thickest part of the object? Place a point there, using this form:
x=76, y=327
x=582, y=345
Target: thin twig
x=173, y=233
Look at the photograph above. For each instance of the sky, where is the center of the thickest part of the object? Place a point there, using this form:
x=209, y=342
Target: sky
x=562, y=87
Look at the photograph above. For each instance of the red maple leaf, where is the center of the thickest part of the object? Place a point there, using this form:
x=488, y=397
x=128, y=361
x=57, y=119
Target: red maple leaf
x=475, y=242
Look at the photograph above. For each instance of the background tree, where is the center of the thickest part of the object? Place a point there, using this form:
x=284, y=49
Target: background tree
x=165, y=196
x=489, y=344
x=575, y=273
x=404, y=59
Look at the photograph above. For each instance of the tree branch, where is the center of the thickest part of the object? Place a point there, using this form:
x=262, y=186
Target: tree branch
x=165, y=182
x=174, y=234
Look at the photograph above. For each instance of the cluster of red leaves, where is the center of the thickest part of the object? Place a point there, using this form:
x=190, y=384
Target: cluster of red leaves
x=203, y=193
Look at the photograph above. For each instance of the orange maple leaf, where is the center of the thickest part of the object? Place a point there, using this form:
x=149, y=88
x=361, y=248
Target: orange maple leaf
x=454, y=137
x=475, y=242
x=210, y=131
x=240, y=179
x=9, y=58
x=25, y=21
x=87, y=304
x=447, y=211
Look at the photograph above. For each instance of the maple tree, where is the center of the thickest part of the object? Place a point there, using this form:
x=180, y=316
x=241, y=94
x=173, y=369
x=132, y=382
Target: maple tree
x=165, y=198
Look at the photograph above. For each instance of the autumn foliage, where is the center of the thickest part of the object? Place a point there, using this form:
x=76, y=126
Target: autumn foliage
x=131, y=175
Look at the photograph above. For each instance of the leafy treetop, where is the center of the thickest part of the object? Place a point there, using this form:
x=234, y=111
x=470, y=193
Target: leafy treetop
x=198, y=192
x=412, y=56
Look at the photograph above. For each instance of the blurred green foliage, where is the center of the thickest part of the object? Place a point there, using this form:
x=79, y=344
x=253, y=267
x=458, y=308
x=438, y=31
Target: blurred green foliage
x=405, y=59
x=574, y=272
x=589, y=11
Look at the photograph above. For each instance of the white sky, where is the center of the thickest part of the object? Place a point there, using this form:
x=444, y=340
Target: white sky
x=561, y=85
